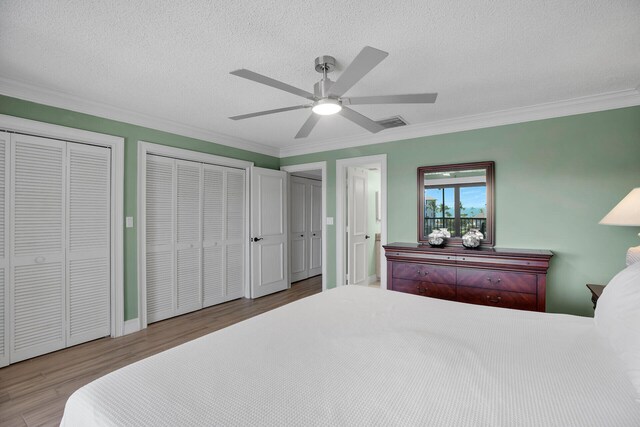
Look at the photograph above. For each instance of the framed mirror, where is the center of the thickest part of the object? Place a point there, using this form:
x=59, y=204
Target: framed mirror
x=458, y=197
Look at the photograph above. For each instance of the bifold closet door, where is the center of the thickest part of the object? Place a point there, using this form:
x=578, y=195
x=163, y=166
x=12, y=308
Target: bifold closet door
x=299, y=227
x=174, y=242
x=223, y=234
x=305, y=233
x=195, y=230
x=160, y=207
x=4, y=249
x=188, y=237
x=88, y=243
x=235, y=233
x=37, y=294
x=315, y=228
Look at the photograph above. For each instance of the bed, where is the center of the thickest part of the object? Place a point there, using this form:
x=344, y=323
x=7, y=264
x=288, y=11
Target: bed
x=364, y=356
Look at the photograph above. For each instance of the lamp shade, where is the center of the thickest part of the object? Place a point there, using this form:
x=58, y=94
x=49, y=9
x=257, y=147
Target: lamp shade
x=627, y=212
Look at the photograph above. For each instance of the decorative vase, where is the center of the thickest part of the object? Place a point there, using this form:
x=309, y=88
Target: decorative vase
x=445, y=232
x=436, y=238
x=472, y=238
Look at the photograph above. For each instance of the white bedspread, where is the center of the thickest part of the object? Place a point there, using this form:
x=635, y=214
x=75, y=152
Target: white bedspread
x=362, y=356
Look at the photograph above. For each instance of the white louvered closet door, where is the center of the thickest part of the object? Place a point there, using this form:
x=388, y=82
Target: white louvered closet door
x=160, y=218
x=224, y=234
x=188, y=236
x=235, y=229
x=214, y=274
x=37, y=297
x=4, y=249
x=88, y=242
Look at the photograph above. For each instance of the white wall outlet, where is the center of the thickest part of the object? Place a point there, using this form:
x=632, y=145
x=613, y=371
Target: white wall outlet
x=329, y=220
x=129, y=222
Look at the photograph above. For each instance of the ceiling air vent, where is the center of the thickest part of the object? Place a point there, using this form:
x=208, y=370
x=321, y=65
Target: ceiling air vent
x=392, y=122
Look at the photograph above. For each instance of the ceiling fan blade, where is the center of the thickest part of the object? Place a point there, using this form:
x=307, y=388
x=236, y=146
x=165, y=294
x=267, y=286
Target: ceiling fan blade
x=414, y=98
x=361, y=120
x=366, y=60
x=264, y=113
x=308, y=126
x=250, y=75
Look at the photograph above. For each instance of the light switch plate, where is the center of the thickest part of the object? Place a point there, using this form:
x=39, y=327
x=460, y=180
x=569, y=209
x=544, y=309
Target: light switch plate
x=129, y=222
x=329, y=220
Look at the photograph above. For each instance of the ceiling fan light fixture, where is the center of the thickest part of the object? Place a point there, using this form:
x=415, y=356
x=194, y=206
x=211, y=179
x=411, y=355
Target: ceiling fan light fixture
x=327, y=107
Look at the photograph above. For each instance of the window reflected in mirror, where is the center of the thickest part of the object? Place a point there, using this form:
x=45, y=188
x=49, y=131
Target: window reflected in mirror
x=458, y=198
x=456, y=201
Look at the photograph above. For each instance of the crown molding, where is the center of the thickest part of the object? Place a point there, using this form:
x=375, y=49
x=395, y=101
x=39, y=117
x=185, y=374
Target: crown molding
x=586, y=104
x=58, y=99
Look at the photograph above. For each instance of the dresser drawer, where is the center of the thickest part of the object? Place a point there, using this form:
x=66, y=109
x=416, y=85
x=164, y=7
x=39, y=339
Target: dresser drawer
x=499, y=280
x=427, y=289
x=491, y=297
x=424, y=272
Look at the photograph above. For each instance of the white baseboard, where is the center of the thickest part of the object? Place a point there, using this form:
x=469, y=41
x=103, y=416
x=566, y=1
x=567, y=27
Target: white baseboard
x=373, y=278
x=131, y=326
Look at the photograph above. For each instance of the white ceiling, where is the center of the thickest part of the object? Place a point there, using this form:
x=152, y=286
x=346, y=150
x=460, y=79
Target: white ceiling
x=170, y=60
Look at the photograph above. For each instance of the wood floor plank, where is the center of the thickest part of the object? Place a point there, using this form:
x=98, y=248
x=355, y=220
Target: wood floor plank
x=33, y=392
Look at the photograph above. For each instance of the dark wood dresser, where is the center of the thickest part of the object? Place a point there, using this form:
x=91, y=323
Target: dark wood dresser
x=510, y=278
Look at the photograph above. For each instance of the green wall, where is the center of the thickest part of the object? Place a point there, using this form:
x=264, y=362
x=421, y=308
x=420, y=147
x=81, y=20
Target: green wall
x=132, y=134
x=555, y=179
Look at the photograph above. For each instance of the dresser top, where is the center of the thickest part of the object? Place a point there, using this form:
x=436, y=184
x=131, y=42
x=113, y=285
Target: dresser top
x=459, y=250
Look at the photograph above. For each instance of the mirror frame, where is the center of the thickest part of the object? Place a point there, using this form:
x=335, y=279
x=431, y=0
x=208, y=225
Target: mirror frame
x=490, y=170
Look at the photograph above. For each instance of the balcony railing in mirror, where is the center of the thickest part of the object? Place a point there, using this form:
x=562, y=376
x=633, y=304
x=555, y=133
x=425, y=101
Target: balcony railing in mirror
x=456, y=226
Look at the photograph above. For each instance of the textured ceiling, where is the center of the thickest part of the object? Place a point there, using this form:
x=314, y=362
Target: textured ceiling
x=171, y=59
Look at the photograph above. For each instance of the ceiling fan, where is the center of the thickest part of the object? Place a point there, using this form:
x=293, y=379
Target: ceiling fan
x=327, y=98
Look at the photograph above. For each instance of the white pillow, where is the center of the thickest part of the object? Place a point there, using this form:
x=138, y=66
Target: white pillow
x=617, y=318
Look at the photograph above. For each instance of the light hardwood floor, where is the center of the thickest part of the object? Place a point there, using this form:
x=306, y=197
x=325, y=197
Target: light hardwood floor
x=33, y=392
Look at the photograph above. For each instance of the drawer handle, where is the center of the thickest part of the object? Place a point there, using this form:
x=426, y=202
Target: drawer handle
x=494, y=300
x=492, y=280
x=420, y=289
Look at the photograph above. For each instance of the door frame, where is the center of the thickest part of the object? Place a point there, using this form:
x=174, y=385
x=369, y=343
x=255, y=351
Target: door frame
x=116, y=144
x=145, y=148
x=303, y=168
x=341, y=212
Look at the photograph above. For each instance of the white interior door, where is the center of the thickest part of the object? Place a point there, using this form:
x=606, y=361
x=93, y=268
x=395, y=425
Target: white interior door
x=4, y=249
x=269, y=269
x=315, y=228
x=298, y=228
x=37, y=299
x=88, y=274
x=357, y=226
x=160, y=207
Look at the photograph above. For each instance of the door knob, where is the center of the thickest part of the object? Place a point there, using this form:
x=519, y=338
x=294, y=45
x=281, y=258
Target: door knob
x=257, y=239
x=302, y=235
x=314, y=234
x=367, y=236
